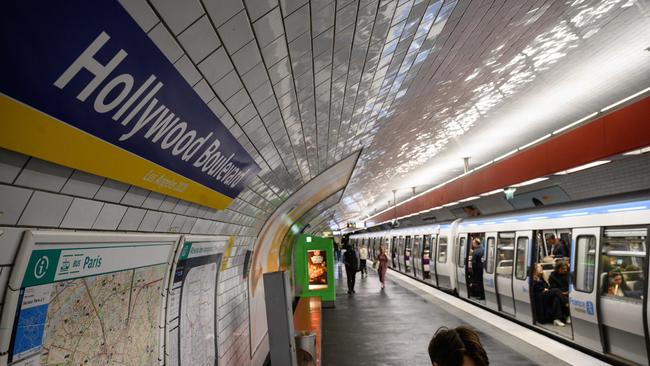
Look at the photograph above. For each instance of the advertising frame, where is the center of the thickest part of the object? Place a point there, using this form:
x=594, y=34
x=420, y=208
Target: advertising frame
x=66, y=240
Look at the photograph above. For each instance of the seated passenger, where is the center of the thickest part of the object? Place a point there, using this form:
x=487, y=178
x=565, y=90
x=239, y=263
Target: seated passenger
x=614, y=285
x=559, y=248
x=457, y=347
x=549, y=303
x=559, y=278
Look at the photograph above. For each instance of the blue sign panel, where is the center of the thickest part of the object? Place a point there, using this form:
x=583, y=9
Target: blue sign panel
x=88, y=66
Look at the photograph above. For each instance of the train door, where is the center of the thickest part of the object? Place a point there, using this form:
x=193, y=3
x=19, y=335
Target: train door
x=582, y=295
x=393, y=252
x=428, y=265
x=400, y=254
x=443, y=269
x=520, y=282
x=620, y=301
x=505, y=261
x=408, y=264
x=461, y=266
x=417, y=256
x=489, y=275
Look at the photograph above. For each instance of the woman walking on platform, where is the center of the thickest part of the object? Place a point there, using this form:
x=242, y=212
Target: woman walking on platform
x=382, y=259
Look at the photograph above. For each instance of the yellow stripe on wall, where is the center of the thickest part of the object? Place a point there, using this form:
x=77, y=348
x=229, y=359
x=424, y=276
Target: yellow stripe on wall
x=30, y=132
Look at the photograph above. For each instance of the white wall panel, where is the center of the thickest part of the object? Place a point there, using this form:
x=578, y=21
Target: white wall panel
x=12, y=203
x=150, y=221
x=41, y=174
x=132, y=219
x=81, y=214
x=112, y=191
x=83, y=184
x=109, y=217
x=10, y=165
x=45, y=209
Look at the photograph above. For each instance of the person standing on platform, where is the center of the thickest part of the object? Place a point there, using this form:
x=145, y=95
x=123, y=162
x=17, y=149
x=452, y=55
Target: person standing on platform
x=337, y=251
x=363, y=257
x=382, y=266
x=351, y=261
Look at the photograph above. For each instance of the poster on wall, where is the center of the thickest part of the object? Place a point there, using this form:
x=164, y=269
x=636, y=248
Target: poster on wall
x=191, y=329
x=84, y=72
x=317, y=269
x=86, y=299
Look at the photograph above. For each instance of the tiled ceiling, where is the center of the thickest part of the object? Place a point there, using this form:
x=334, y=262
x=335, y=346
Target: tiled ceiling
x=303, y=83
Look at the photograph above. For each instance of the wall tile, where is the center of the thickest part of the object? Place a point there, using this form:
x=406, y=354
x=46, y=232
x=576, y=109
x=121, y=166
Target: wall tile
x=12, y=203
x=109, y=217
x=83, y=184
x=41, y=174
x=132, y=219
x=112, y=191
x=11, y=163
x=45, y=209
x=81, y=214
x=150, y=221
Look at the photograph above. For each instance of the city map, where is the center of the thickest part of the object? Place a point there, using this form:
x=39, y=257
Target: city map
x=197, y=316
x=109, y=319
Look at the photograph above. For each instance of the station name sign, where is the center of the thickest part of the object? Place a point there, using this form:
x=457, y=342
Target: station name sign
x=85, y=87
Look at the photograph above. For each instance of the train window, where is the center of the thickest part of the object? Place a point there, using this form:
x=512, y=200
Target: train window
x=442, y=249
x=462, y=251
x=505, y=253
x=490, y=255
x=624, y=260
x=585, y=263
x=521, y=268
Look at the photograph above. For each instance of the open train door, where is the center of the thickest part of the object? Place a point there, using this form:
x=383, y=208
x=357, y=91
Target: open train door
x=461, y=265
x=583, y=290
x=521, y=282
x=489, y=277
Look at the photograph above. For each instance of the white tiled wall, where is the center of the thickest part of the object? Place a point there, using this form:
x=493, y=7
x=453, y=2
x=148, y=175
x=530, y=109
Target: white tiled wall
x=39, y=194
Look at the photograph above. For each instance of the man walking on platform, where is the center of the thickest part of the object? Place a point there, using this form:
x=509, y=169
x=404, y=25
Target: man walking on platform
x=363, y=257
x=351, y=261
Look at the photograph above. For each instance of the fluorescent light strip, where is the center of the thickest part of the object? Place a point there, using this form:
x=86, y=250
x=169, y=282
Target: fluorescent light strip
x=574, y=123
x=505, y=155
x=492, y=192
x=536, y=141
x=469, y=199
x=575, y=214
x=638, y=151
x=510, y=220
x=450, y=204
x=625, y=100
x=538, y=218
x=529, y=182
x=627, y=209
x=583, y=167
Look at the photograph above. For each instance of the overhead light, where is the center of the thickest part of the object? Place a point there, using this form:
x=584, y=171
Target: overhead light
x=492, y=192
x=625, y=100
x=575, y=214
x=529, y=182
x=509, y=220
x=535, y=142
x=583, y=167
x=450, y=204
x=538, y=218
x=505, y=155
x=469, y=199
x=638, y=151
x=627, y=209
x=561, y=129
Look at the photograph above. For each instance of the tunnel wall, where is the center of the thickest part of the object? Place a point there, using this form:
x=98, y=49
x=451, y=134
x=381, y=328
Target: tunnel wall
x=35, y=194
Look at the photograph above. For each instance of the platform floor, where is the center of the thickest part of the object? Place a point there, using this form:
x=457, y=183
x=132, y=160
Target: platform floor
x=394, y=326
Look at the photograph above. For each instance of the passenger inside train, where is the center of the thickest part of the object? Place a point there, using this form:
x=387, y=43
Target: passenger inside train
x=476, y=275
x=549, y=303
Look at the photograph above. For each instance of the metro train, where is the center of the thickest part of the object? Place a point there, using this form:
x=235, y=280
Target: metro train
x=606, y=237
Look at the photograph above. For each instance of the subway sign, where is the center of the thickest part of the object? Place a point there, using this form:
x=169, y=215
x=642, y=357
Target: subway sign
x=83, y=86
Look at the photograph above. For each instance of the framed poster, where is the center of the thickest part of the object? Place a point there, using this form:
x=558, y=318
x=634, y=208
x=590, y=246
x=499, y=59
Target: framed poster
x=86, y=298
x=317, y=269
x=191, y=325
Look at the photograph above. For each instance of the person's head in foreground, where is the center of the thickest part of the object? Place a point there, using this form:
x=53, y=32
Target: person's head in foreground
x=460, y=346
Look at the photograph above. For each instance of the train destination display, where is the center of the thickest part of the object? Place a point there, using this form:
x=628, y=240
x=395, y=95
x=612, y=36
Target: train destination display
x=88, y=303
x=192, y=303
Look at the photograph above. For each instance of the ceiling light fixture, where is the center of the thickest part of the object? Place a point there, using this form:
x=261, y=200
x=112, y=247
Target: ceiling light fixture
x=529, y=182
x=570, y=125
x=469, y=199
x=492, y=192
x=583, y=167
x=625, y=99
x=638, y=151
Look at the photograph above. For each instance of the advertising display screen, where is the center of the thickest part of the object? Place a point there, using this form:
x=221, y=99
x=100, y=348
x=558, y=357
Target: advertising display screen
x=317, y=269
x=87, y=300
x=192, y=303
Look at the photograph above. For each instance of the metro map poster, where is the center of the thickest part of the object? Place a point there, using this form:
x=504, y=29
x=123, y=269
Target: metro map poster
x=192, y=305
x=91, y=306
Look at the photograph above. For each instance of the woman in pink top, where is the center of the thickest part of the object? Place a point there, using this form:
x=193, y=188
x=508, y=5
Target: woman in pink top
x=382, y=258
